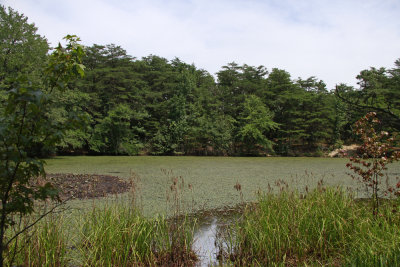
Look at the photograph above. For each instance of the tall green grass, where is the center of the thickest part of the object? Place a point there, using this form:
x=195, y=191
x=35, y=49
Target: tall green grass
x=324, y=227
x=45, y=244
x=117, y=235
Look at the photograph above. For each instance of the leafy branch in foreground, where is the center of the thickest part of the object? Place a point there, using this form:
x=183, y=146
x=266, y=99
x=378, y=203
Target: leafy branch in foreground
x=25, y=125
x=375, y=153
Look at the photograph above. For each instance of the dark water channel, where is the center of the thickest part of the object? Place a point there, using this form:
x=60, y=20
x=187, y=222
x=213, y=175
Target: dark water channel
x=207, y=242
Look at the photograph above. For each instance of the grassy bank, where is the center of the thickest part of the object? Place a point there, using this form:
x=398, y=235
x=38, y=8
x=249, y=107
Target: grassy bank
x=115, y=234
x=324, y=227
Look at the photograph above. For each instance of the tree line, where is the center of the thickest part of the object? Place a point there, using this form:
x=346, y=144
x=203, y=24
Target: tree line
x=156, y=106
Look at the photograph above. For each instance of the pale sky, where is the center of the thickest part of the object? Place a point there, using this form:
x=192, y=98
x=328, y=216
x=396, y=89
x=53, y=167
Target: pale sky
x=332, y=40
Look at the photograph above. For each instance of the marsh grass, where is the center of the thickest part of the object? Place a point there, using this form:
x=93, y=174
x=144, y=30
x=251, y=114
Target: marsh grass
x=113, y=233
x=117, y=235
x=324, y=227
x=45, y=244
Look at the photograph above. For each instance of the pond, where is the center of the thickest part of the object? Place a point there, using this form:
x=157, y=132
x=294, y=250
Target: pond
x=209, y=182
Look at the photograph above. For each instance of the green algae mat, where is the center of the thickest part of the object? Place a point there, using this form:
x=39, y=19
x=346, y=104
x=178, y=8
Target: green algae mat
x=209, y=182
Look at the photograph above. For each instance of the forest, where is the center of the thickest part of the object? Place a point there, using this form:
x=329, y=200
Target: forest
x=156, y=106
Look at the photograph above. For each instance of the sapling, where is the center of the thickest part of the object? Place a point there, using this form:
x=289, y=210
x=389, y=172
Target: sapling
x=374, y=154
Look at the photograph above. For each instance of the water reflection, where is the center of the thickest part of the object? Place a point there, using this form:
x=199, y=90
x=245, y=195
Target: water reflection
x=205, y=242
x=210, y=226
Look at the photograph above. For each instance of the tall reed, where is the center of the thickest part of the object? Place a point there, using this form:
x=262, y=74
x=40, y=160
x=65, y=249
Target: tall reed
x=45, y=244
x=326, y=226
x=117, y=235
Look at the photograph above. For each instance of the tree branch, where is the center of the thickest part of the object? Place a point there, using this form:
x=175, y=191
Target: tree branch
x=36, y=221
x=396, y=118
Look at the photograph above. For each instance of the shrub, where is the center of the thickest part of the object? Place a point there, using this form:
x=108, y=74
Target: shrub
x=374, y=154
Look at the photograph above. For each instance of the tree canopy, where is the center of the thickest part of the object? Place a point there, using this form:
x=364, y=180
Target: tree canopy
x=22, y=49
x=156, y=106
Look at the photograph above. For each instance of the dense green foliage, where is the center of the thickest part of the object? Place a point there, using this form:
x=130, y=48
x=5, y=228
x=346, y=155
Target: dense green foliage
x=167, y=107
x=379, y=92
x=22, y=50
x=162, y=107
x=26, y=130
x=29, y=80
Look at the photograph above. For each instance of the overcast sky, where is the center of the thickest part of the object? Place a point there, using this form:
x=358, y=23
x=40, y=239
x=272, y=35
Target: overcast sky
x=330, y=39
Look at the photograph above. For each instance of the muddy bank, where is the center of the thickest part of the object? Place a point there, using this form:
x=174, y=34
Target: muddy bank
x=86, y=186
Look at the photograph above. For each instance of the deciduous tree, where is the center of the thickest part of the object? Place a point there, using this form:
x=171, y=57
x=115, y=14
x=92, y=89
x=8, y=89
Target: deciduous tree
x=255, y=122
x=24, y=123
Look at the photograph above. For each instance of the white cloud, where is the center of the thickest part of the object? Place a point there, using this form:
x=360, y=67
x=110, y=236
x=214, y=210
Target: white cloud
x=332, y=40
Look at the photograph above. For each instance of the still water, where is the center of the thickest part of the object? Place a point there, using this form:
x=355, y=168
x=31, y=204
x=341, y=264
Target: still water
x=207, y=237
